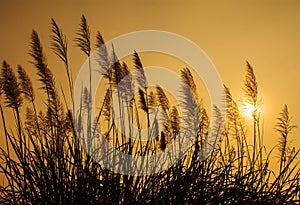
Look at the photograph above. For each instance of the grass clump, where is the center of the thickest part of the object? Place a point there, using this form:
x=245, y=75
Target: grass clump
x=44, y=161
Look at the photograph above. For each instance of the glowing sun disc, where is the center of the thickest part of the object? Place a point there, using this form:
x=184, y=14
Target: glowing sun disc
x=248, y=110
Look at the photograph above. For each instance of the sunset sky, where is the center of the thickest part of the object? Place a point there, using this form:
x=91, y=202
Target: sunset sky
x=267, y=34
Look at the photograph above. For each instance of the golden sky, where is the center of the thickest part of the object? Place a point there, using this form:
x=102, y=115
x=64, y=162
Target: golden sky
x=266, y=33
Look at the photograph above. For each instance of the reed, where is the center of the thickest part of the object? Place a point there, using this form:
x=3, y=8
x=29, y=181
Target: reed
x=44, y=161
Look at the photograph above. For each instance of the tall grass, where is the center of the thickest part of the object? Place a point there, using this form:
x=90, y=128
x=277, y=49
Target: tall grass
x=44, y=161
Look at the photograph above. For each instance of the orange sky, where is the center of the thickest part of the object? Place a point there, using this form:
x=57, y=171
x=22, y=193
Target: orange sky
x=267, y=34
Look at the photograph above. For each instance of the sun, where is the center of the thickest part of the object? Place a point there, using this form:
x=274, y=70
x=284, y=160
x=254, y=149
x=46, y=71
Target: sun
x=249, y=110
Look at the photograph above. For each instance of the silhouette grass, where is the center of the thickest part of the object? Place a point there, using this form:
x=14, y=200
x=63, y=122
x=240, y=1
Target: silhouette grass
x=44, y=160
